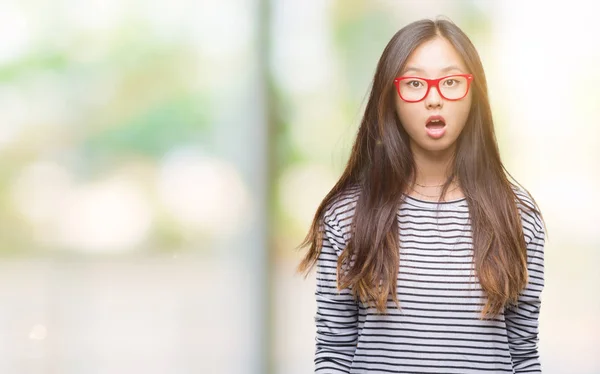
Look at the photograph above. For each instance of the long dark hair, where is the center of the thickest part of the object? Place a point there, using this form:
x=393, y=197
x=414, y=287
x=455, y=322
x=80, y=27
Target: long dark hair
x=381, y=164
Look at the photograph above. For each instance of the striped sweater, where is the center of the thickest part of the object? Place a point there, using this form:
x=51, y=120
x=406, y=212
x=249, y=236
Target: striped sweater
x=437, y=329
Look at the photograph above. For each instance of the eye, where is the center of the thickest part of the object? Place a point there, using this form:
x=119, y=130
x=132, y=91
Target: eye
x=450, y=82
x=414, y=84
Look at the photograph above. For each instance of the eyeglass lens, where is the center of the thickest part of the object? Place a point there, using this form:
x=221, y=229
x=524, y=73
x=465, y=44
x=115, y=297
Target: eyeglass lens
x=451, y=88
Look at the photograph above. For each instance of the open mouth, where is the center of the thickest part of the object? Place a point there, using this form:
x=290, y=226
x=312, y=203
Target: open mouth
x=435, y=124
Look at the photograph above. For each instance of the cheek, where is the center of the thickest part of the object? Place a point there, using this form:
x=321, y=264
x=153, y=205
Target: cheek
x=462, y=111
x=407, y=114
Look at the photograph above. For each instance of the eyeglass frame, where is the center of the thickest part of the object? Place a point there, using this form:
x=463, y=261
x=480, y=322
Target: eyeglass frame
x=433, y=83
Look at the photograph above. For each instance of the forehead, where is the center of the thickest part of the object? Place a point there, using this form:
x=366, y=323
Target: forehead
x=433, y=58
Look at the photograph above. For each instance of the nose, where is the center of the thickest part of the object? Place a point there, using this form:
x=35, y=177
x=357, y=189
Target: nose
x=433, y=98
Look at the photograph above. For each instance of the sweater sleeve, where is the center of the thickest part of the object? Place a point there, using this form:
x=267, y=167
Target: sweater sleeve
x=522, y=320
x=337, y=312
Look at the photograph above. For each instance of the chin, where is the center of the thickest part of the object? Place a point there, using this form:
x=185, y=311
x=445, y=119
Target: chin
x=437, y=146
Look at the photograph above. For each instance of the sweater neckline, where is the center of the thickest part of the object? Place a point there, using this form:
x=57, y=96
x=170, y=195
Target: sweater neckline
x=430, y=204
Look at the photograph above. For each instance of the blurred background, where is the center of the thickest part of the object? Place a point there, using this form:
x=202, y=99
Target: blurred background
x=160, y=161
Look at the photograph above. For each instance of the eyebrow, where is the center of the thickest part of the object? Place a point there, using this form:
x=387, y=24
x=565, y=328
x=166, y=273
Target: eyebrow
x=418, y=70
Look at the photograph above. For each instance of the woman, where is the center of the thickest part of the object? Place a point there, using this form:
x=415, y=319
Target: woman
x=429, y=260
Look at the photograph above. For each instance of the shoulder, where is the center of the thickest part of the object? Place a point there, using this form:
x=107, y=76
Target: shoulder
x=339, y=213
x=531, y=216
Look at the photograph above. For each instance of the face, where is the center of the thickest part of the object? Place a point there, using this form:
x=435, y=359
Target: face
x=433, y=59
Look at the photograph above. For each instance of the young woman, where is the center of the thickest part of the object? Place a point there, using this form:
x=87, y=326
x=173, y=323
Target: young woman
x=429, y=260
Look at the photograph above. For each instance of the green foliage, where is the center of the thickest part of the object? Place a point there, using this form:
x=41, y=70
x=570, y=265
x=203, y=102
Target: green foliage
x=154, y=130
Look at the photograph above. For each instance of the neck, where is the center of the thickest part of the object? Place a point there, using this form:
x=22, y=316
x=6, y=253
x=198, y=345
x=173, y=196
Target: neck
x=433, y=168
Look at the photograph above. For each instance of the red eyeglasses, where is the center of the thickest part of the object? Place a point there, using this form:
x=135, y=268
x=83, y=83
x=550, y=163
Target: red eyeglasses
x=451, y=87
